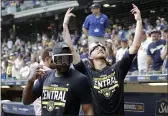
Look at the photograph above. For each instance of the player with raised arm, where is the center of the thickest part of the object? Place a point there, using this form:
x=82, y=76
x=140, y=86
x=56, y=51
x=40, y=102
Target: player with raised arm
x=107, y=82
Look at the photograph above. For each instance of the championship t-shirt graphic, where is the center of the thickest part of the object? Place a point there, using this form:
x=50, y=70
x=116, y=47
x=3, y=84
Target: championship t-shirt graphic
x=54, y=98
x=106, y=84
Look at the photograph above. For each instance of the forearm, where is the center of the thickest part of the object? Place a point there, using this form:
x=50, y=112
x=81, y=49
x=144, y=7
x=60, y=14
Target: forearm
x=137, y=38
x=148, y=63
x=67, y=38
x=106, y=30
x=27, y=96
x=85, y=31
x=163, y=55
x=87, y=110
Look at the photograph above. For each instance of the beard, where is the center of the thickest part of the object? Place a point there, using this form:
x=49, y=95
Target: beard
x=63, y=68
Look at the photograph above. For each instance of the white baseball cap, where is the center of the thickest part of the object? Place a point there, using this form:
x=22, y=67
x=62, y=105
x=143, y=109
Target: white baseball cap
x=93, y=45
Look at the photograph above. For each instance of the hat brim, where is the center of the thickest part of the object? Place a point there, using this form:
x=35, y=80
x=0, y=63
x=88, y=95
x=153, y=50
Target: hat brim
x=94, y=45
x=94, y=7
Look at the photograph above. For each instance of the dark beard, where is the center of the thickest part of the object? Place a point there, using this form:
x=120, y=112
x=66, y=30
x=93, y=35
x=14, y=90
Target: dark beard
x=62, y=68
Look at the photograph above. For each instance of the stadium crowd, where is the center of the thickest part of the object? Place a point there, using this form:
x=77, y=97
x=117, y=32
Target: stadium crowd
x=21, y=5
x=18, y=57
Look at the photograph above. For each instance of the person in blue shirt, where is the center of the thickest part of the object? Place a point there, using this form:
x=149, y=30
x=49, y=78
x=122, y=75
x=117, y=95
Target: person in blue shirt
x=95, y=25
x=164, y=56
x=154, y=51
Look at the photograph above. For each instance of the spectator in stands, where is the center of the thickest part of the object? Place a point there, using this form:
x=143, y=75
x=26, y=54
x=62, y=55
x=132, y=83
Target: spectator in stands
x=165, y=34
x=124, y=47
x=4, y=64
x=142, y=54
x=116, y=44
x=95, y=25
x=84, y=52
x=109, y=48
x=9, y=70
x=18, y=63
x=134, y=67
x=164, y=56
x=10, y=44
x=38, y=37
x=154, y=51
x=121, y=32
x=25, y=69
x=18, y=41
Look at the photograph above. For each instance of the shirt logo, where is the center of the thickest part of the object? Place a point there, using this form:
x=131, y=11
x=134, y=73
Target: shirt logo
x=50, y=106
x=106, y=85
x=157, y=48
x=54, y=97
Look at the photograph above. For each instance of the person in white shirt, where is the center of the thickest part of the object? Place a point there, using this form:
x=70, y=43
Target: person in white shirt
x=25, y=70
x=10, y=44
x=18, y=63
x=48, y=64
x=124, y=47
x=142, y=54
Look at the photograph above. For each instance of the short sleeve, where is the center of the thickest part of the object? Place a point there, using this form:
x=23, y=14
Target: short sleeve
x=37, y=88
x=148, y=51
x=84, y=91
x=82, y=68
x=86, y=23
x=106, y=24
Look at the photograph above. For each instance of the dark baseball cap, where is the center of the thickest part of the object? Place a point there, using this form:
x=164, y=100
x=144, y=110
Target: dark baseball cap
x=124, y=40
x=61, y=48
x=95, y=5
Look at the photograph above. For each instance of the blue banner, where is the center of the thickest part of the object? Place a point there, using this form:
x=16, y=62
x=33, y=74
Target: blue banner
x=18, y=108
x=136, y=104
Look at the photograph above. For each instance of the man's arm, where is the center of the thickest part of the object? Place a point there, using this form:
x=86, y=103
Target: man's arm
x=28, y=96
x=84, y=91
x=149, y=61
x=85, y=31
x=106, y=25
x=163, y=54
x=138, y=31
x=67, y=36
x=87, y=109
x=124, y=64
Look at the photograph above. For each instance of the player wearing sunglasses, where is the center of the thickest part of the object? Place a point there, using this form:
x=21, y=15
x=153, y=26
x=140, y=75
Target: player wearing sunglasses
x=107, y=82
x=62, y=90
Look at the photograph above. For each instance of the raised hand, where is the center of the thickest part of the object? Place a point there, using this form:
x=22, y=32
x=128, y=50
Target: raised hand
x=136, y=12
x=37, y=73
x=68, y=15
